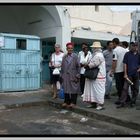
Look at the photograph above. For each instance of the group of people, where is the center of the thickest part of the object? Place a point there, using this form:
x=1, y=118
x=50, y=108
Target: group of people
x=116, y=61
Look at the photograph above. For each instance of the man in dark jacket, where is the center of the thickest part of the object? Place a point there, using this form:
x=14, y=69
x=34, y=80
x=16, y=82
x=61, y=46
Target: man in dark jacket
x=131, y=74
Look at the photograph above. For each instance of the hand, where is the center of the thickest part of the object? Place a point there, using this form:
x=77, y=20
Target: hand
x=86, y=66
x=125, y=76
x=82, y=65
x=138, y=70
x=76, y=80
x=111, y=73
x=52, y=67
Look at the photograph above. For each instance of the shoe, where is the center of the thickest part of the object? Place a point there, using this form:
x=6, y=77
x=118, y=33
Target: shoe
x=117, y=102
x=72, y=106
x=92, y=105
x=99, y=107
x=120, y=106
x=132, y=105
x=64, y=105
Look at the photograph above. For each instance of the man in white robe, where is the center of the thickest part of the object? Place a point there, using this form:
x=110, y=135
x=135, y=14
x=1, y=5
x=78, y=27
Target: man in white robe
x=95, y=89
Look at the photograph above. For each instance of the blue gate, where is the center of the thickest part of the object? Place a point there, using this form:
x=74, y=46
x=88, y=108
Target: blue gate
x=20, y=68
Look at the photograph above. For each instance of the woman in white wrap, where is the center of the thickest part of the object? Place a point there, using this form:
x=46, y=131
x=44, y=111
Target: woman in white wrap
x=94, y=90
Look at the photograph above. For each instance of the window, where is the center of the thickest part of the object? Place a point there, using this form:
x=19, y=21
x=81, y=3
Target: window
x=44, y=43
x=96, y=8
x=21, y=44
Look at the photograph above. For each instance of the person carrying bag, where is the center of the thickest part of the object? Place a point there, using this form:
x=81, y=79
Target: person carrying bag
x=56, y=61
x=94, y=90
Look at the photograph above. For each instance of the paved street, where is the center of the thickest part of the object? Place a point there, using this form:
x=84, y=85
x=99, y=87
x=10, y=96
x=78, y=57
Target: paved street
x=35, y=112
x=46, y=120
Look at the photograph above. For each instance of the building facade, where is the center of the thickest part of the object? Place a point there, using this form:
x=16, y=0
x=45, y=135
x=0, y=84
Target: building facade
x=100, y=18
x=61, y=24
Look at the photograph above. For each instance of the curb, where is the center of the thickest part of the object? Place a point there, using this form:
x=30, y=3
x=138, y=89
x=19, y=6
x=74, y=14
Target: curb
x=20, y=105
x=97, y=116
x=79, y=110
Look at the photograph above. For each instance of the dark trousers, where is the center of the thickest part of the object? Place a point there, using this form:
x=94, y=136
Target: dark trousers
x=119, y=78
x=82, y=83
x=70, y=98
x=134, y=90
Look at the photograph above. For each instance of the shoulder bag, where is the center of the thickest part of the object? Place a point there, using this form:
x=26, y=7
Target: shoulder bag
x=91, y=73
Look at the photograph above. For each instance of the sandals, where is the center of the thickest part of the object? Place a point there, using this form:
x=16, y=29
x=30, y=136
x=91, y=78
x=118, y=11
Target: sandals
x=99, y=107
x=72, y=106
x=64, y=105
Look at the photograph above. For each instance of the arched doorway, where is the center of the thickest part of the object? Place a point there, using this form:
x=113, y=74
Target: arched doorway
x=47, y=22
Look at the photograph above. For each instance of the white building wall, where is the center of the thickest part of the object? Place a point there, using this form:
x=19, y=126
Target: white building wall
x=64, y=32
x=103, y=20
x=121, y=18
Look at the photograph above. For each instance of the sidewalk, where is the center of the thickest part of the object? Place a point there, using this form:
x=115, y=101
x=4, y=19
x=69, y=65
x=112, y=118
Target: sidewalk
x=129, y=117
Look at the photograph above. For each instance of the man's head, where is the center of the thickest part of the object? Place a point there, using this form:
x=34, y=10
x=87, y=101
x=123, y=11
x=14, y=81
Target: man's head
x=109, y=45
x=125, y=44
x=133, y=47
x=115, y=42
x=70, y=47
x=84, y=47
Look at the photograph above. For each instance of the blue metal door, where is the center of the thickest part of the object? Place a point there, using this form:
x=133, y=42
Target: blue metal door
x=19, y=70
x=12, y=75
x=33, y=70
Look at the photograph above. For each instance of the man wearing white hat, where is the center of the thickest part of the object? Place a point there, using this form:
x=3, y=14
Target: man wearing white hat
x=95, y=89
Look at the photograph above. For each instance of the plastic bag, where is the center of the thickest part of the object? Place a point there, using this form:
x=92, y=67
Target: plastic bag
x=56, y=71
x=61, y=93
